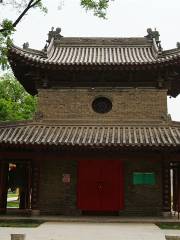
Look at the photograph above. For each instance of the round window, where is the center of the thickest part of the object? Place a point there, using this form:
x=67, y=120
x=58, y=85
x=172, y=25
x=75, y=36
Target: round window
x=102, y=105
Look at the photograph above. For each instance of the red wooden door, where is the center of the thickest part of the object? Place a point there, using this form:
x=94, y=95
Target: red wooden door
x=100, y=185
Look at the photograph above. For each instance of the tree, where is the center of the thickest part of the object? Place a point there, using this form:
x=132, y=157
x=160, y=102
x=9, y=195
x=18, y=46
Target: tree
x=7, y=27
x=15, y=102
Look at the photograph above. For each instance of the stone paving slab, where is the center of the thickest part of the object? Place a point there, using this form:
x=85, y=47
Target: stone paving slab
x=170, y=232
x=172, y=237
x=12, y=199
x=87, y=231
x=94, y=219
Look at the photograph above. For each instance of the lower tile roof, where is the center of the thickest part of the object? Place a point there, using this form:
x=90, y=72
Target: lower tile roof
x=92, y=136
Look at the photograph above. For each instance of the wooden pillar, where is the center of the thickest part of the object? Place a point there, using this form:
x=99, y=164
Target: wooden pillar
x=166, y=187
x=4, y=167
x=35, y=187
x=26, y=188
x=176, y=188
x=178, y=192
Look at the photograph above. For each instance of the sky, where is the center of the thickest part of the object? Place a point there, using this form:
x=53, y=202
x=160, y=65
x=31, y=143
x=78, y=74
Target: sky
x=125, y=18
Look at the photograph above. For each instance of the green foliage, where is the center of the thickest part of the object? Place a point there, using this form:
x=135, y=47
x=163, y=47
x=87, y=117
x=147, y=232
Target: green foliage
x=5, y=42
x=8, y=26
x=3, y=52
x=99, y=7
x=15, y=102
x=42, y=7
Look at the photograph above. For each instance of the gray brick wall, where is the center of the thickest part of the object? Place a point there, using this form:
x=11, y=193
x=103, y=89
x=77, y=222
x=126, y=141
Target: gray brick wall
x=143, y=199
x=57, y=197
x=74, y=105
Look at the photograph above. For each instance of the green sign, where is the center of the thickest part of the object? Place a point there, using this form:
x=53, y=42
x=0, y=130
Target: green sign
x=144, y=178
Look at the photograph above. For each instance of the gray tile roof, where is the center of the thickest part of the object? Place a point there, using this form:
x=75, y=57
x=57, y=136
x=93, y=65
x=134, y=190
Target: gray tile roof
x=92, y=136
x=99, y=51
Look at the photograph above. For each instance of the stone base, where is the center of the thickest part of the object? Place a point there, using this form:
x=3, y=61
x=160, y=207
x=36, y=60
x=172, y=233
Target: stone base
x=18, y=236
x=35, y=213
x=166, y=214
x=2, y=211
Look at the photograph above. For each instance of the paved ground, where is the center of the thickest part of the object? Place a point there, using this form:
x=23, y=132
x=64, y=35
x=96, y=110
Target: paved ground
x=12, y=199
x=172, y=233
x=88, y=231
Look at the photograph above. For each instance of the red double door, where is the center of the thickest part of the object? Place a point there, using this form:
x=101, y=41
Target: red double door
x=100, y=185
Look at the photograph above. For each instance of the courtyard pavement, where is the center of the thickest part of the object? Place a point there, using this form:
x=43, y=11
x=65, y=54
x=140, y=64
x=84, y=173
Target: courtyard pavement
x=89, y=231
x=11, y=199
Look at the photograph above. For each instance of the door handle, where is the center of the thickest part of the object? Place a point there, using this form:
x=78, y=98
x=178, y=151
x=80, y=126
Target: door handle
x=100, y=186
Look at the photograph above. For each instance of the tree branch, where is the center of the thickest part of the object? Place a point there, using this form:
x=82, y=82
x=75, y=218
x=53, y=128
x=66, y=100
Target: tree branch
x=30, y=5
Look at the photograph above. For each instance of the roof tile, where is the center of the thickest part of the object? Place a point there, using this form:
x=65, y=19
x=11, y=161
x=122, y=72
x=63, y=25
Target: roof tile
x=119, y=136
x=100, y=51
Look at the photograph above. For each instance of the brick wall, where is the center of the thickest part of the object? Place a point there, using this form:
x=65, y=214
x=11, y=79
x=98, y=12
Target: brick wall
x=143, y=199
x=57, y=197
x=75, y=105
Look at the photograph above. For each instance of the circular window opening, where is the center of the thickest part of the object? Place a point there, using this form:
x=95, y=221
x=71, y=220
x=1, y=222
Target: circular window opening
x=102, y=105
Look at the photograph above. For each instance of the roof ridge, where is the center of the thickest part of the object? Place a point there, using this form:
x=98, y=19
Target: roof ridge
x=28, y=50
x=176, y=123
x=12, y=123
x=170, y=51
x=27, y=123
x=137, y=41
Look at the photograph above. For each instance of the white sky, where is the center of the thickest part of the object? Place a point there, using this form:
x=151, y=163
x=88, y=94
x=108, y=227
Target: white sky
x=126, y=18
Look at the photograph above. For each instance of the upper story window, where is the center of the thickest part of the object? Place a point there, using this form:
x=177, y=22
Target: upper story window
x=102, y=105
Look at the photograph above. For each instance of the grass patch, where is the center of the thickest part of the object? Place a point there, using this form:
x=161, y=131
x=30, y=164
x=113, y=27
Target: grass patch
x=27, y=223
x=169, y=225
x=13, y=204
x=12, y=195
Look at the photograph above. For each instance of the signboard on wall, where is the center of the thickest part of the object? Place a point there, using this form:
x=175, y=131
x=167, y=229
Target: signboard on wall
x=66, y=178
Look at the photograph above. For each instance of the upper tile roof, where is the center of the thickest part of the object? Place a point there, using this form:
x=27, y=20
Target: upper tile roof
x=98, y=51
